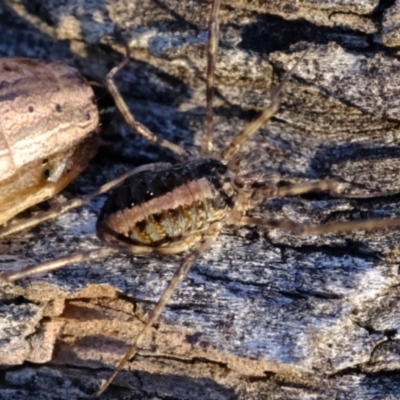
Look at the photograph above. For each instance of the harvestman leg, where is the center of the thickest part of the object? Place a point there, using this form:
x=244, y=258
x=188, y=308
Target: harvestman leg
x=213, y=31
x=58, y=263
x=66, y=206
x=297, y=189
x=234, y=147
x=179, y=275
x=100, y=252
x=129, y=118
x=299, y=229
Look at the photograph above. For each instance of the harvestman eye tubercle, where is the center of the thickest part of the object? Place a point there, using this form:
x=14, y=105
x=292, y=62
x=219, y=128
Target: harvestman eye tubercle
x=169, y=209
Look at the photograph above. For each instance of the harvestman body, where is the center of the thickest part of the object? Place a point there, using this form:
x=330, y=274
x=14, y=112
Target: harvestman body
x=171, y=209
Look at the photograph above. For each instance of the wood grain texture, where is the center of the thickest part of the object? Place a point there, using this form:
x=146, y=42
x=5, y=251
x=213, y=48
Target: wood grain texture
x=263, y=315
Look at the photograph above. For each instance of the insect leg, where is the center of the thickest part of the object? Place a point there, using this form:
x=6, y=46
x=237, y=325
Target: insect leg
x=178, y=276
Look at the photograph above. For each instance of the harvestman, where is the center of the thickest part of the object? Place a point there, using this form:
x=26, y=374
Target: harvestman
x=169, y=209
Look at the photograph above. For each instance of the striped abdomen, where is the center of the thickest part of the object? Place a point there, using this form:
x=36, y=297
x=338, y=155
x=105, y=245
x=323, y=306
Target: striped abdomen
x=157, y=208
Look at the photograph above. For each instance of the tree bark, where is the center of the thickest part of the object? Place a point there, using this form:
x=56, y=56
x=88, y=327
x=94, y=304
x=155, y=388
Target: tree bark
x=264, y=314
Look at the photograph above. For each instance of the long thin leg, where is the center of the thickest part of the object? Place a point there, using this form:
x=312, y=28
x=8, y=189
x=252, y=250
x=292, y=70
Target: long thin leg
x=306, y=187
x=58, y=263
x=129, y=118
x=371, y=195
x=75, y=203
x=296, y=190
x=212, y=48
x=101, y=252
x=237, y=142
x=366, y=225
x=179, y=275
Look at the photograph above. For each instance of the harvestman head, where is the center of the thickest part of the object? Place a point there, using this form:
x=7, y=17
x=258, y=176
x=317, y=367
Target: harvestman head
x=168, y=209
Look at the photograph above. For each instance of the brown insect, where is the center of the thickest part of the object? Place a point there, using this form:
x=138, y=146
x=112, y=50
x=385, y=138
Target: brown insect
x=48, y=131
x=172, y=209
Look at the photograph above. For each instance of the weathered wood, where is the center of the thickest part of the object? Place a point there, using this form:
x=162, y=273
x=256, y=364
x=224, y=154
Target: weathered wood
x=262, y=315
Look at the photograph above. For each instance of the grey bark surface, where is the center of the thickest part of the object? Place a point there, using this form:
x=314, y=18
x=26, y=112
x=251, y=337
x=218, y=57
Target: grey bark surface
x=263, y=315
